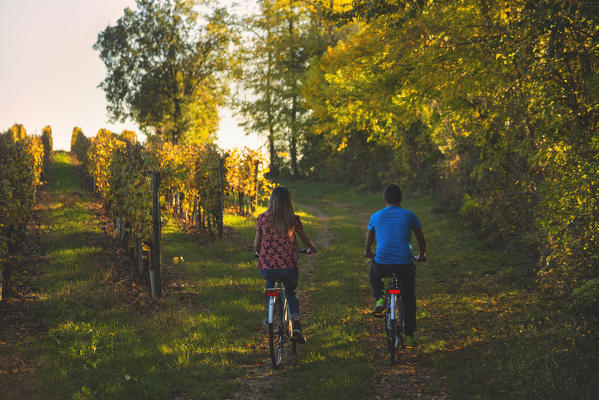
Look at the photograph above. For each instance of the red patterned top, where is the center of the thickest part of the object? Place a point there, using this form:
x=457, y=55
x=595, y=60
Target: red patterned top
x=276, y=251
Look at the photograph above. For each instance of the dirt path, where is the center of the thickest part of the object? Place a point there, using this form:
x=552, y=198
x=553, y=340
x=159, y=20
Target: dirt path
x=322, y=241
x=260, y=378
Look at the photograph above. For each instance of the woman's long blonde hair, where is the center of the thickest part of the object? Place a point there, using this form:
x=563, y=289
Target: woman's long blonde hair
x=282, y=212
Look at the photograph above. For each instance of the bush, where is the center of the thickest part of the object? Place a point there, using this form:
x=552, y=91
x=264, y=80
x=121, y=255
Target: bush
x=48, y=151
x=585, y=298
x=569, y=215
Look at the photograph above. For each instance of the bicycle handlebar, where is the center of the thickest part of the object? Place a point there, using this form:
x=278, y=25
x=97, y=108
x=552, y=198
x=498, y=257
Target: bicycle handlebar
x=415, y=258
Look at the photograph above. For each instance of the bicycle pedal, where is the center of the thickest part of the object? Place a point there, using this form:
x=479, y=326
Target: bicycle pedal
x=378, y=315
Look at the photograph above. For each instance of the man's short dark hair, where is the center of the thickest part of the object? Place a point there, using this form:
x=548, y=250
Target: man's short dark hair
x=392, y=194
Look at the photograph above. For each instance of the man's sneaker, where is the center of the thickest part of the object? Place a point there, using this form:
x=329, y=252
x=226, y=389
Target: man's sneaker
x=298, y=336
x=409, y=342
x=379, y=307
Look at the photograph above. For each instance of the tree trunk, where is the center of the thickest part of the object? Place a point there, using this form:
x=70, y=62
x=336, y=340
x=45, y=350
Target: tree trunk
x=293, y=138
x=241, y=205
x=274, y=167
x=293, y=127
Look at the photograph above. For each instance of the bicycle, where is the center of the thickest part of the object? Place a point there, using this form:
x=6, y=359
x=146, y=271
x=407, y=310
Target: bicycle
x=280, y=329
x=394, y=317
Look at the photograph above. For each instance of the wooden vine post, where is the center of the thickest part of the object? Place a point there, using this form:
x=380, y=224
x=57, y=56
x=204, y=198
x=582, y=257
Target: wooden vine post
x=155, y=277
x=220, y=198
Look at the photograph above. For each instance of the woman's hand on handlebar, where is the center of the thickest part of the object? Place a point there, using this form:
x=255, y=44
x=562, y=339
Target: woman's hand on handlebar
x=420, y=258
x=307, y=250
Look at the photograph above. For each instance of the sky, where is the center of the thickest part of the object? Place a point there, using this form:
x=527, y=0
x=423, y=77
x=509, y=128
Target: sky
x=49, y=73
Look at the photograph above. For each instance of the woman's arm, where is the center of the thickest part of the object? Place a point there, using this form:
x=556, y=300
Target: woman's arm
x=306, y=240
x=258, y=241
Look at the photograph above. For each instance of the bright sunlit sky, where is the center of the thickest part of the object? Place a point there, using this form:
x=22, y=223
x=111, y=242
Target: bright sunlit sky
x=49, y=73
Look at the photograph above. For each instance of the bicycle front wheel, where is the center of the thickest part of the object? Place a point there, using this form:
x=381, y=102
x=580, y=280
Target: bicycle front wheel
x=275, y=335
x=401, y=328
x=289, y=327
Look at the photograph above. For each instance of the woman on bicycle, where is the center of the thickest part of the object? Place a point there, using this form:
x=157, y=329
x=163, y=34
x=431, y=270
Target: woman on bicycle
x=276, y=245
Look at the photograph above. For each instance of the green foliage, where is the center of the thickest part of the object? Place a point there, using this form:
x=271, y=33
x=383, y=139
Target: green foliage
x=586, y=297
x=121, y=171
x=491, y=104
x=189, y=175
x=570, y=220
x=48, y=151
x=260, y=76
x=245, y=170
x=17, y=132
x=131, y=189
x=283, y=38
x=20, y=174
x=99, y=158
x=80, y=145
x=163, y=69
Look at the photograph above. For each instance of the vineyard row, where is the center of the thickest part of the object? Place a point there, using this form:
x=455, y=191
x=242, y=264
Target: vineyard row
x=119, y=169
x=24, y=164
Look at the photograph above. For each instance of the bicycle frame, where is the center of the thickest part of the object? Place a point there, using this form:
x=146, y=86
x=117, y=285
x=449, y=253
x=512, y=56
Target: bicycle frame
x=273, y=294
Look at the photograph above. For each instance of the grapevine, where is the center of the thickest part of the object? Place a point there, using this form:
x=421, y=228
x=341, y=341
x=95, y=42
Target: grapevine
x=120, y=169
x=21, y=159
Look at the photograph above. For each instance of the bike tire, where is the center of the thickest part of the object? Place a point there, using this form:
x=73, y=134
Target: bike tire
x=391, y=328
x=275, y=335
x=289, y=328
x=401, y=321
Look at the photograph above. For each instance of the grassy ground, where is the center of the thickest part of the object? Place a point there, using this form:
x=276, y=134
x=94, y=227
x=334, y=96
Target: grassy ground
x=482, y=325
x=483, y=333
x=97, y=341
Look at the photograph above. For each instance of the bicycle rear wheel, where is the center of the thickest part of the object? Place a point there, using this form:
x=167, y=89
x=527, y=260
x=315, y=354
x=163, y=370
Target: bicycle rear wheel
x=275, y=334
x=393, y=333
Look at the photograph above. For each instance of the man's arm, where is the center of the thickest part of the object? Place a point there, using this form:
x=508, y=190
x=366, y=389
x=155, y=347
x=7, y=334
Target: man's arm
x=370, y=236
x=421, y=244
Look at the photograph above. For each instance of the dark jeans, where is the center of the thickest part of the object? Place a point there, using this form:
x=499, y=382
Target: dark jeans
x=406, y=277
x=289, y=278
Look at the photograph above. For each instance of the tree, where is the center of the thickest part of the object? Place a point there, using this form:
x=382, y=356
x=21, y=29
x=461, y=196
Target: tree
x=261, y=80
x=283, y=38
x=507, y=91
x=163, y=68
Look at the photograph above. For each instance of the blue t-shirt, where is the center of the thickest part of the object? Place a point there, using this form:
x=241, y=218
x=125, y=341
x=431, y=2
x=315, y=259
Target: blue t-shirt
x=393, y=227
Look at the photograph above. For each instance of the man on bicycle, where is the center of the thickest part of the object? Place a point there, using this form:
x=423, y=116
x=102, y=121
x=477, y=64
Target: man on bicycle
x=392, y=227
